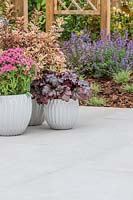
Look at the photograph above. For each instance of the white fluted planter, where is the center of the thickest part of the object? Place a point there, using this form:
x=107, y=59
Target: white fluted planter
x=37, y=117
x=60, y=114
x=15, y=114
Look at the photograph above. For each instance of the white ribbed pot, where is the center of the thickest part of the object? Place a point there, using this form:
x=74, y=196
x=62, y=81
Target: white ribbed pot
x=15, y=114
x=37, y=117
x=60, y=114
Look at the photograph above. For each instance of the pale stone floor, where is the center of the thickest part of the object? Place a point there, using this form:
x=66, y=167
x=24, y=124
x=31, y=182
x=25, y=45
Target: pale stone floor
x=92, y=162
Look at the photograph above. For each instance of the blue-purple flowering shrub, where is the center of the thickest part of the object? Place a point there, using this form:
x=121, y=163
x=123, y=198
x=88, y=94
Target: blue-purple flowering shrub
x=100, y=58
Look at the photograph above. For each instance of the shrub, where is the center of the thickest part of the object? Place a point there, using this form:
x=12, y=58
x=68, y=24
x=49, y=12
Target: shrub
x=101, y=58
x=40, y=5
x=65, y=86
x=96, y=88
x=16, y=72
x=121, y=18
x=43, y=47
x=122, y=77
x=128, y=88
x=95, y=101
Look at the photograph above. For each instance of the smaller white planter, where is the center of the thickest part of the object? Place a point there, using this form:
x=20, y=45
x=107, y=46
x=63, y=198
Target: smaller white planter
x=37, y=117
x=60, y=114
x=15, y=114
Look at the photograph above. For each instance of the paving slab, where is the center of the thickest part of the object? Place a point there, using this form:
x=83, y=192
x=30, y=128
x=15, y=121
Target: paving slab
x=94, y=161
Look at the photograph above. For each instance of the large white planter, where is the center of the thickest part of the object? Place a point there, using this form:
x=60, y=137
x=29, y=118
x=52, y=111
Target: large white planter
x=37, y=117
x=60, y=114
x=15, y=114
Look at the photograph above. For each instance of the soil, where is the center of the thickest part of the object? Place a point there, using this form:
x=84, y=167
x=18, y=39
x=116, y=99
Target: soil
x=113, y=94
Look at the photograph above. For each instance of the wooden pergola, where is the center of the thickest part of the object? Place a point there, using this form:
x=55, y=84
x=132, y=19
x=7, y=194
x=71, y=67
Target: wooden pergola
x=57, y=7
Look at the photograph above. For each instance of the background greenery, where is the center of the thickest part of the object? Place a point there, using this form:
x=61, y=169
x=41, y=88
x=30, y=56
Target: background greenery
x=121, y=19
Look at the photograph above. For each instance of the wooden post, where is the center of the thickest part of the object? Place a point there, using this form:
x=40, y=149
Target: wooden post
x=22, y=9
x=105, y=16
x=50, y=18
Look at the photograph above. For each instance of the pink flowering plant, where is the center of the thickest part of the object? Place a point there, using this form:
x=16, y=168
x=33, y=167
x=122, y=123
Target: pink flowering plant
x=16, y=72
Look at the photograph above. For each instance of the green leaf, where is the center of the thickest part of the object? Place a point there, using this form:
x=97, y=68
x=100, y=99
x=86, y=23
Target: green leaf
x=29, y=94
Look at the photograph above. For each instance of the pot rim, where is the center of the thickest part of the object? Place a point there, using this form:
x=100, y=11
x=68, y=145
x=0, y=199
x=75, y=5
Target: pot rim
x=12, y=96
x=64, y=100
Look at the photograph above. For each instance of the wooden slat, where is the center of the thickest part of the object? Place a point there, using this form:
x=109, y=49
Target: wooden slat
x=70, y=6
x=22, y=9
x=25, y=10
x=62, y=4
x=77, y=12
x=98, y=5
x=76, y=4
x=94, y=2
x=105, y=16
x=55, y=4
x=91, y=4
x=49, y=14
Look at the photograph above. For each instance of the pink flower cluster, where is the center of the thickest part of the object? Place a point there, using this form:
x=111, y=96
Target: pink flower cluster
x=7, y=67
x=13, y=59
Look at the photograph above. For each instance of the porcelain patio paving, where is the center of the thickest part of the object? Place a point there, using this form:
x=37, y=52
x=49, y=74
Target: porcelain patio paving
x=94, y=161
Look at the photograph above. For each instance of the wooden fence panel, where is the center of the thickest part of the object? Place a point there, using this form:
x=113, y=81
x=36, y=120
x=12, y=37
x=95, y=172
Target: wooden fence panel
x=99, y=7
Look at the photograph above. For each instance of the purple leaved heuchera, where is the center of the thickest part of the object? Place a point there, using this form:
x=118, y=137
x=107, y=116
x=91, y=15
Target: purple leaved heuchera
x=64, y=85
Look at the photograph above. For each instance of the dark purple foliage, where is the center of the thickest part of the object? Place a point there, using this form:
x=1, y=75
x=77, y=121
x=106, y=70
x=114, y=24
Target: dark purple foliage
x=100, y=58
x=64, y=85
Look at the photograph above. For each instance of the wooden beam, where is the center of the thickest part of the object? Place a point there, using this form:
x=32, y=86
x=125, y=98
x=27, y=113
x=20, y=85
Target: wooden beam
x=21, y=7
x=77, y=12
x=25, y=10
x=50, y=18
x=105, y=16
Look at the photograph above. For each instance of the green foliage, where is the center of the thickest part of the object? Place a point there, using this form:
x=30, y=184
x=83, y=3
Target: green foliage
x=128, y=88
x=40, y=5
x=122, y=77
x=95, y=101
x=121, y=19
x=96, y=88
x=16, y=72
x=2, y=7
x=75, y=23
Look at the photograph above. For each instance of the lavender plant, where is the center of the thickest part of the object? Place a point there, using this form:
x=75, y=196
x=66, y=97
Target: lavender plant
x=64, y=85
x=101, y=58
